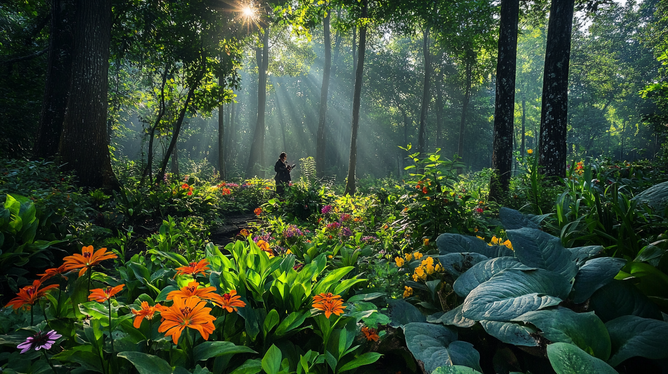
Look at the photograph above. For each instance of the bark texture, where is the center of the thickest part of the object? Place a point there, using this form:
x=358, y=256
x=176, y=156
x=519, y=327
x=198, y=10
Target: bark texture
x=504, y=111
x=554, y=111
x=84, y=143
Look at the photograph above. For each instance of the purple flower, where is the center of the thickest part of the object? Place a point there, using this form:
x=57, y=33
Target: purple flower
x=326, y=209
x=333, y=226
x=292, y=231
x=39, y=341
x=367, y=238
x=346, y=232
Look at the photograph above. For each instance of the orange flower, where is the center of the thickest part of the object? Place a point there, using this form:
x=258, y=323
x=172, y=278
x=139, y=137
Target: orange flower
x=425, y=190
x=29, y=295
x=86, y=260
x=190, y=312
x=185, y=186
x=226, y=191
x=231, y=301
x=257, y=211
x=192, y=289
x=244, y=232
x=146, y=311
x=370, y=334
x=48, y=273
x=328, y=303
x=194, y=268
x=103, y=294
x=265, y=247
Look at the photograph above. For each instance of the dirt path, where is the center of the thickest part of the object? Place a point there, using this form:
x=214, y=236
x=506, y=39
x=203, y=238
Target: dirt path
x=225, y=234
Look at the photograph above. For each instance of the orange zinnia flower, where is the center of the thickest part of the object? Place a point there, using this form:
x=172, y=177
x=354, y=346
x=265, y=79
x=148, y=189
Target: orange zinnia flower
x=29, y=295
x=257, y=211
x=146, y=311
x=48, y=273
x=244, y=232
x=86, y=260
x=194, y=268
x=231, y=301
x=265, y=247
x=328, y=303
x=370, y=334
x=192, y=289
x=190, y=312
x=103, y=294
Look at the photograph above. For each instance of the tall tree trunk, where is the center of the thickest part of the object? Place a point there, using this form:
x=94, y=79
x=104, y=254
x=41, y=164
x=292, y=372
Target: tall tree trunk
x=439, y=109
x=422, y=132
x=257, y=147
x=465, y=107
x=524, y=117
x=504, y=112
x=161, y=112
x=58, y=79
x=84, y=144
x=221, y=140
x=350, y=183
x=554, y=111
x=321, y=142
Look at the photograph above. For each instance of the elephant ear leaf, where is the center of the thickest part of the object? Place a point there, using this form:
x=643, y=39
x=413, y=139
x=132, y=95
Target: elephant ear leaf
x=514, y=292
x=584, y=330
x=535, y=248
x=453, y=317
x=512, y=219
x=483, y=271
x=456, y=243
x=593, y=275
x=570, y=359
x=634, y=336
x=511, y=333
x=620, y=298
x=455, y=369
x=457, y=263
x=436, y=346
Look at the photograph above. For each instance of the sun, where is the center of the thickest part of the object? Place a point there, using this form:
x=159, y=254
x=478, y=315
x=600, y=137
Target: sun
x=248, y=13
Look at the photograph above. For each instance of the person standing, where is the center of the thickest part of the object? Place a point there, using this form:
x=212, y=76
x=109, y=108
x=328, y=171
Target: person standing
x=282, y=170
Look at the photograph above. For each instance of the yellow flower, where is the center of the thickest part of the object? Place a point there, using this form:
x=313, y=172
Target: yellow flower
x=409, y=257
x=425, y=242
x=417, y=255
x=419, y=272
x=439, y=268
x=508, y=244
x=288, y=252
x=495, y=240
x=330, y=256
x=427, y=261
x=530, y=151
x=480, y=237
x=408, y=291
x=399, y=261
x=429, y=269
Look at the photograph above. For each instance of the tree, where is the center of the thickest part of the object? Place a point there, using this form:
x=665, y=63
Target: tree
x=554, y=112
x=324, y=93
x=84, y=141
x=257, y=147
x=504, y=113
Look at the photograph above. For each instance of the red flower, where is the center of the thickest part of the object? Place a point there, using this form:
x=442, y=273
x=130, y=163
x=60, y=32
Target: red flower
x=479, y=210
x=257, y=211
x=424, y=190
x=185, y=186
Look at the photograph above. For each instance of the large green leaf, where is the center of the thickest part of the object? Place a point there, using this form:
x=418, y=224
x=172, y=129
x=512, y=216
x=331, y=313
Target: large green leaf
x=437, y=346
x=634, y=336
x=455, y=243
x=455, y=369
x=585, y=330
x=620, y=298
x=271, y=362
x=513, y=292
x=403, y=312
x=453, y=317
x=649, y=280
x=457, y=263
x=249, y=367
x=593, y=275
x=511, y=333
x=483, y=271
x=367, y=358
x=512, y=219
x=207, y=350
x=580, y=255
x=145, y=363
x=655, y=196
x=569, y=359
x=536, y=248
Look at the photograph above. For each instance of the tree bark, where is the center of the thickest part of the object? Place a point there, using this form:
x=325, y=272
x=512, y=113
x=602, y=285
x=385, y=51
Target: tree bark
x=422, y=132
x=257, y=147
x=504, y=112
x=84, y=144
x=554, y=111
x=58, y=79
x=324, y=91
x=350, y=183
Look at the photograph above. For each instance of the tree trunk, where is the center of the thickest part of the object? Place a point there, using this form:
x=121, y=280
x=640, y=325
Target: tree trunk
x=350, y=183
x=161, y=112
x=524, y=117
x=465, y=106
x=84, y=144
x=439, y=109
x=221, y=140
x=257, y=147
x=422, y=133
x=554, y=111
x=58, y=79
x=504, y=112
x=321, y=142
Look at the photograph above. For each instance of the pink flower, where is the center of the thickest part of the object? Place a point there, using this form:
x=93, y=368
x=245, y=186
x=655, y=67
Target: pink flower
x=39, y=341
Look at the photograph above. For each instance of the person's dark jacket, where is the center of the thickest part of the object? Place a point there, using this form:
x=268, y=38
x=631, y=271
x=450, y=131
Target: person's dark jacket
x=282, y=172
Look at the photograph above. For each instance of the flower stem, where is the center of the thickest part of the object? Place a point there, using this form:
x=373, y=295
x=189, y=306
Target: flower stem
x=48, y=361
x=111, y=337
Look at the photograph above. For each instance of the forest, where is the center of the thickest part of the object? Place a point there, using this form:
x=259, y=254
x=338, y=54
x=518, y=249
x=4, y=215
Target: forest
x=458, y=186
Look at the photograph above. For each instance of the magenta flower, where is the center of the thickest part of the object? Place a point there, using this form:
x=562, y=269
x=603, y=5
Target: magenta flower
x=326, y=209
x=38, y=341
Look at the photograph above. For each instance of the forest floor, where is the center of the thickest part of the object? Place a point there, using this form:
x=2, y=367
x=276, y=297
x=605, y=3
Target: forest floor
x=227, y=233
